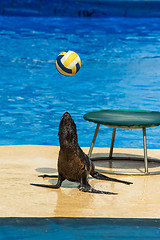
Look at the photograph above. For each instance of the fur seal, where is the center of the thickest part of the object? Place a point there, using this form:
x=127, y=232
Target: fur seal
x=73, y=164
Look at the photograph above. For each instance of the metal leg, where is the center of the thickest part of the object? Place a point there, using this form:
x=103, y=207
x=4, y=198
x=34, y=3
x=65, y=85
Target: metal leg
x=110, y=158
x=112, y=143
x=145, y=150
x=93, y=141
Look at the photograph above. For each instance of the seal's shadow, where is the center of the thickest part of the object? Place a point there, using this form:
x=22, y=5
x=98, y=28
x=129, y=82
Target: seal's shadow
x=47, y=170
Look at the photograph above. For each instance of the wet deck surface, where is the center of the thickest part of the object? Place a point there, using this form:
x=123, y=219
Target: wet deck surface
x=21, y=165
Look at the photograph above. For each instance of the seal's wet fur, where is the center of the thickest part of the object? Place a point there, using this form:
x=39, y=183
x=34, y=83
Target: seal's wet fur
x=73, y=163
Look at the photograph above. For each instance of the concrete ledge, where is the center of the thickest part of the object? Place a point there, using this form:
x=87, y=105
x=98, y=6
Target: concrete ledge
x=81, y=8
x=21, y=165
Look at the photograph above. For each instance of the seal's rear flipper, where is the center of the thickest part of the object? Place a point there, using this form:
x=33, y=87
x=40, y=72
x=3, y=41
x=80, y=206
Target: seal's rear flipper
x=48, y=176
x=100, y=176
x=89, y=189
x=59, y=183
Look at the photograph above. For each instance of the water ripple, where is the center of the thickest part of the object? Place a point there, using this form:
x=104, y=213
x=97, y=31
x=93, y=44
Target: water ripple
x=120, y=70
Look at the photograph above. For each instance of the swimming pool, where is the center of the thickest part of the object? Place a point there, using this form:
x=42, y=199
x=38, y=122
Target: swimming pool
x=79, y=228
x=120, y=70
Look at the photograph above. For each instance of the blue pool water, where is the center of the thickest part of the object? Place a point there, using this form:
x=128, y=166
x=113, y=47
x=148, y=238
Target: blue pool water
x=120, y=70
x=79, y=229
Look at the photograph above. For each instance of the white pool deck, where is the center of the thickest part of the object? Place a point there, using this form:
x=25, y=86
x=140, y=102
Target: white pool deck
x=21, y=165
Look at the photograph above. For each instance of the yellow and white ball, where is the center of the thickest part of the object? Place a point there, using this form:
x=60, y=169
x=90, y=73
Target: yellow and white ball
x=68, y=63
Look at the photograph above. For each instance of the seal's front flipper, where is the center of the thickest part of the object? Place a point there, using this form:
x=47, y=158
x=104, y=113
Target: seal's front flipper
x=89, y=189
x=85, y=187
x=100, y=176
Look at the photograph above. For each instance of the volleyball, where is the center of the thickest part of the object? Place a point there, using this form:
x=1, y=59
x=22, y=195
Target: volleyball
x=68, y=63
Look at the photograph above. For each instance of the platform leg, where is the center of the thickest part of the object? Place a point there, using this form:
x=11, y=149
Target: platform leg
x=93, y=141
x=145, y=150
x=112, y=143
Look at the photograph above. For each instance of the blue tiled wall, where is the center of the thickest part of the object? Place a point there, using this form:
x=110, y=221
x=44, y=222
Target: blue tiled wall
x=81, y=8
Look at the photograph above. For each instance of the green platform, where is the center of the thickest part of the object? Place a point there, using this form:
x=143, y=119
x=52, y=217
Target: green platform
x=124, y=119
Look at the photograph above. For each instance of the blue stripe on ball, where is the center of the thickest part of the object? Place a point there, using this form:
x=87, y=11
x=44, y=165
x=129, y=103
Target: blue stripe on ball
x=78, y=67
x=62, y=66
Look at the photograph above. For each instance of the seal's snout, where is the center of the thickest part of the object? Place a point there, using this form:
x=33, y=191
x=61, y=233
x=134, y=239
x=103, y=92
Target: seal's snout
x=66, y=118
x=66, y=115
x=65, y=124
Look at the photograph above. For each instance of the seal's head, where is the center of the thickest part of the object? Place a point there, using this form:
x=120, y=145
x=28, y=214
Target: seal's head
x=67, y=131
